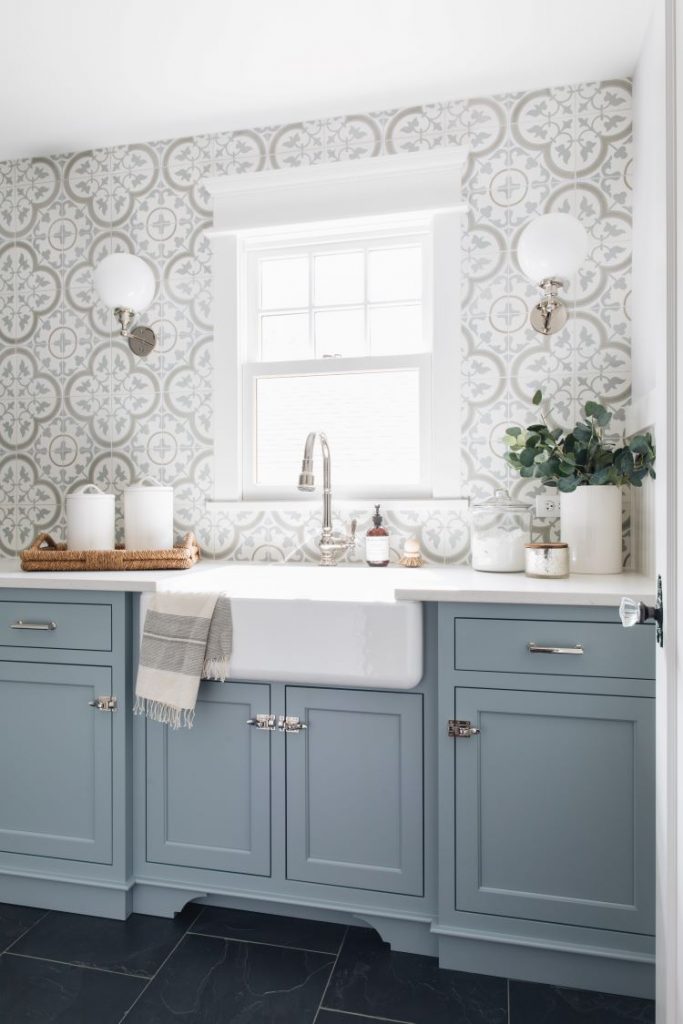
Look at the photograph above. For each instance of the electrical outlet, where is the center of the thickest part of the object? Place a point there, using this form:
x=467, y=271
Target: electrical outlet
x=547, y=506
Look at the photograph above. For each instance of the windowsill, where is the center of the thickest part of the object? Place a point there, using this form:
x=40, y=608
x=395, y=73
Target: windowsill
x=290, y=504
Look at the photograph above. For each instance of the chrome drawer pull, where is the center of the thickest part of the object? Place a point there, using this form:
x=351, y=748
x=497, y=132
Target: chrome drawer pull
x=20, y=624
x=539, y=649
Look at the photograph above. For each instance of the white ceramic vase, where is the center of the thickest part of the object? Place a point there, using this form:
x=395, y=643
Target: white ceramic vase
x=590, y=523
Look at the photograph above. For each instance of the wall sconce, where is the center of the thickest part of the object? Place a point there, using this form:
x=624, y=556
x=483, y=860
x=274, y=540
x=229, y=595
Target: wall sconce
x=126, y=284
x=551, y=249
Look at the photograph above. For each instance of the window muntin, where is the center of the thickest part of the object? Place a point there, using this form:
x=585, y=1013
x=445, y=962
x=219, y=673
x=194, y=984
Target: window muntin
x=344, y=298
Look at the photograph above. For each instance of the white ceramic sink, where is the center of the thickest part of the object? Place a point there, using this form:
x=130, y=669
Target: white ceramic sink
x=327, y=626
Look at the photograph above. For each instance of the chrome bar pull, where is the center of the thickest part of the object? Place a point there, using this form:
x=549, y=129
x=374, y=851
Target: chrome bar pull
x=20, y=624
x=540, y=649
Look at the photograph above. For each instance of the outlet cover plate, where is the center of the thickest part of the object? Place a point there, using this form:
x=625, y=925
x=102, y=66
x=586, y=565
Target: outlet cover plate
x=547, y=506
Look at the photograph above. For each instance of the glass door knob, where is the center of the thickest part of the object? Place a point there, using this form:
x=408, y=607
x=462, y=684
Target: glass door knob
x=631, y=612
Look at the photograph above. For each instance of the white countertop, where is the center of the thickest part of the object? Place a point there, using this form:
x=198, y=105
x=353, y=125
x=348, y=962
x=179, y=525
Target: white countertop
x=11, y=575
x=346, y=583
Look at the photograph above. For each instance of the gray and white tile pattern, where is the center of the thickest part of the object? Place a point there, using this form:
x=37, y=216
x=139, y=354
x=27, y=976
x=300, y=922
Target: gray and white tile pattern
x=75, y=406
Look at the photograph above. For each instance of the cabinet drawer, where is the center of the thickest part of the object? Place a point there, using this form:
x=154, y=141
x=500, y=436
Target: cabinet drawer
x=505, y=645
x=55, y=626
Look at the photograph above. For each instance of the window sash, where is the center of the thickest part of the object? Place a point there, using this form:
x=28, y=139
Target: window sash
x=332, y=243
x=253, y=371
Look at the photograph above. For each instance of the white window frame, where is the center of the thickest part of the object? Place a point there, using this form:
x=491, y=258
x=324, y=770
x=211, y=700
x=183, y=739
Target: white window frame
x=408, y=192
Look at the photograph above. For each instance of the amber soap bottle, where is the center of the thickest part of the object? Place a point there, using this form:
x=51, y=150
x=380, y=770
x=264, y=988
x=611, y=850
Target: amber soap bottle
x=377, y=542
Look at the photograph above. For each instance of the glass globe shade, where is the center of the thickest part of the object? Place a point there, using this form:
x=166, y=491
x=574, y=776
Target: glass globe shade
x=552, y=246
x=124, y=281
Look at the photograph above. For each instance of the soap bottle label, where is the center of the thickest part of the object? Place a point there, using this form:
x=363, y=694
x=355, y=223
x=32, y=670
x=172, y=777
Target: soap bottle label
x=377, y=549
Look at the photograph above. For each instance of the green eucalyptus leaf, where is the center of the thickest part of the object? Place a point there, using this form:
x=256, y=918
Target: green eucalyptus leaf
x=598, y=412
x=639, y=445
x=526, y=457
x=567, y=484
x=514, y=431
x=538, y=397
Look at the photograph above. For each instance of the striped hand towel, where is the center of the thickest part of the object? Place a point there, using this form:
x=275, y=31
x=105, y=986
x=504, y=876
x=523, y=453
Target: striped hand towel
x=186, y=638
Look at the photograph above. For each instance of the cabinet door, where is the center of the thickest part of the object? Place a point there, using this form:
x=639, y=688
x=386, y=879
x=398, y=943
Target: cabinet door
x=208, y=788
x=354, y=789
x=555, y=803
x=55, y=762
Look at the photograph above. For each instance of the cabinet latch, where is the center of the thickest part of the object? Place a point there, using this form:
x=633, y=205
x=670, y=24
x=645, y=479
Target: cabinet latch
x=104, y=704
x=267, y=722
x=282, y=723
x=460, y=729
x=290, y=723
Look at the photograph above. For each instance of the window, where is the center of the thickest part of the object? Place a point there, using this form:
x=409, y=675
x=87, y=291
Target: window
x=346, y=325
x=336, y=334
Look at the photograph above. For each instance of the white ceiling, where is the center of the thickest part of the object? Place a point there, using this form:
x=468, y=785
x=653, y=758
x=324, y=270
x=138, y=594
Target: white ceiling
x=81, y=73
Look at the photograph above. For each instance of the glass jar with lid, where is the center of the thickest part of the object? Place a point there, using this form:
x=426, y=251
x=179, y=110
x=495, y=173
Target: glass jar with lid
x=500, y=527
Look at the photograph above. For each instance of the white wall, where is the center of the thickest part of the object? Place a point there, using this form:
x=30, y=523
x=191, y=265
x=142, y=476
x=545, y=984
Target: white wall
x=649, y=206
x=649, y=262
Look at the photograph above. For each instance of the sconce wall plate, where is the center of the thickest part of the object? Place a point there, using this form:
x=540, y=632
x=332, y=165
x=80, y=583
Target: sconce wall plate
x=549, y=315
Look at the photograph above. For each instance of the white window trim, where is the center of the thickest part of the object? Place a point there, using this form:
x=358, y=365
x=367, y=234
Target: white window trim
x=424, y=183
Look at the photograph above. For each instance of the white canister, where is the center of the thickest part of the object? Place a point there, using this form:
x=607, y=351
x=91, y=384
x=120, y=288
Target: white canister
x=90, y=520
x=148, y=516
x=590, y=522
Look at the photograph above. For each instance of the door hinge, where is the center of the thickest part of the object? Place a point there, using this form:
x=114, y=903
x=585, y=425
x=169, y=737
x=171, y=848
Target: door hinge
x=460, y=729
x=104, y=704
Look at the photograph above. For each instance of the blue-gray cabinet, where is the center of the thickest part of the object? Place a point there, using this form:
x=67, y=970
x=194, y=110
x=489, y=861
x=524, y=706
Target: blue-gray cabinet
x=208, y=788
x=55, y=761
x=547, y=795
x=554, y=808
x=355, y=789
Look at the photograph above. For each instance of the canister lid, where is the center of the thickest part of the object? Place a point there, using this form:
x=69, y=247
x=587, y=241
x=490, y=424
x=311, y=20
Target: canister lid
x=501, y=502
x=148, y=483
x=90, y=491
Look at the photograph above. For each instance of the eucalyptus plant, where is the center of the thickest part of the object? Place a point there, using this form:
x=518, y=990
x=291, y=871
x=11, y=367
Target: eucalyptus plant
x=585, y=455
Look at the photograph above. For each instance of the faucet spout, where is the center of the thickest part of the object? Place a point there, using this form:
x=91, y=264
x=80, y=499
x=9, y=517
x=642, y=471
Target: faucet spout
x=332, y=546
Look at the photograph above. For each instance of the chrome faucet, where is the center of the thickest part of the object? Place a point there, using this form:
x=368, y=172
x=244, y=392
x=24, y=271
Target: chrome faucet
x=332, y=545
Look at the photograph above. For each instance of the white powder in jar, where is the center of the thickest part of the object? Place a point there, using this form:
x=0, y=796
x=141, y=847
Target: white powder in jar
x=499, y=550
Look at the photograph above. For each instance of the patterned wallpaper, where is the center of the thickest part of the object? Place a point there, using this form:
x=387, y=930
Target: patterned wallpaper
x=75, y=405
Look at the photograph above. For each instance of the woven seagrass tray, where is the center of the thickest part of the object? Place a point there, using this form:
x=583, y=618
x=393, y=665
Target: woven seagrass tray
x=46, y=555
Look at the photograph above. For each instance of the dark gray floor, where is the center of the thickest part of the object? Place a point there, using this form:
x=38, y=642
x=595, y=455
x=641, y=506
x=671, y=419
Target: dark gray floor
x=212, y=966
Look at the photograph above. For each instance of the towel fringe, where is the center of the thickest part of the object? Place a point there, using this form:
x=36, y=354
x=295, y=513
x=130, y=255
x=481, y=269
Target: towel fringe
x=158, y=711
x=217, y=669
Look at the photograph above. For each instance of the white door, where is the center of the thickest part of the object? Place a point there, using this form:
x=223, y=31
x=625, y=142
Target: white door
x=669, y=550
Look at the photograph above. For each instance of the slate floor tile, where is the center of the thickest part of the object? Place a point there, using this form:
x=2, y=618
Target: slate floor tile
x=213, y=981
x=14, y=921
x=339, y=1017
x=369, y=979
x=318, y=936
x=38, y=992
x=544, y=1004
x=137, y=946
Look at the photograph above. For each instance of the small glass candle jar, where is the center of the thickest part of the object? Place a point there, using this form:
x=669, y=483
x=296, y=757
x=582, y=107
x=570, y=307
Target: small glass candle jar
x=500, y=529
x=547, y=561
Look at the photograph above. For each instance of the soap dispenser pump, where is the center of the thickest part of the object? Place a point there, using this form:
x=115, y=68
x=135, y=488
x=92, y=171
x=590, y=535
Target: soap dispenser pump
x=377, y=542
